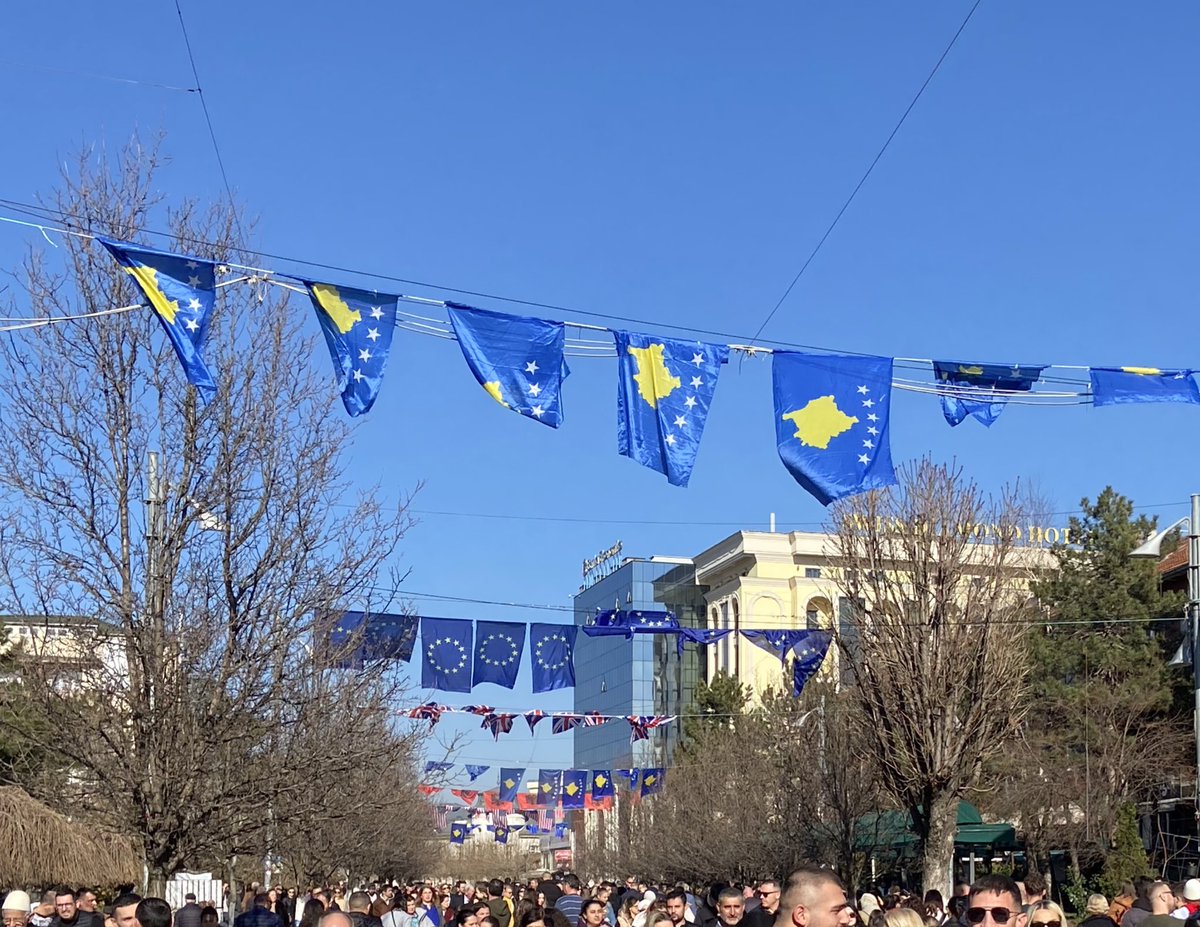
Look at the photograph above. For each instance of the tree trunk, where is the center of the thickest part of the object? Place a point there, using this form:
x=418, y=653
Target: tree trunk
x=156, y=881
x=937, y=857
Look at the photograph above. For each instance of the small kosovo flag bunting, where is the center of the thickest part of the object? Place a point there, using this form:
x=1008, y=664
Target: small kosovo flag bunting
x=358, y=327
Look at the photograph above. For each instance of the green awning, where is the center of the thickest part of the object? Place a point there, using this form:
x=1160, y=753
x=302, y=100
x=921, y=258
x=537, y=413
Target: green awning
x=892, y=830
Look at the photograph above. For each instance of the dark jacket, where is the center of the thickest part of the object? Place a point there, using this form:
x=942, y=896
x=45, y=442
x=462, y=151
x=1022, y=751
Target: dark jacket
x=1102, y=920
x=257, y=917
x=81, y=919
x=358, y=919
x=187, y=916
x=756, y=918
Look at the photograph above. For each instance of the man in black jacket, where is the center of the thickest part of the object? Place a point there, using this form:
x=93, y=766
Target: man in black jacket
x=359, y=904
x=67, y=913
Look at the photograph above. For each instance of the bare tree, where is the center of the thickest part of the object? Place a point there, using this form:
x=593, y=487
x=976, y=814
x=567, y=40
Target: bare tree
x=196, y=710
x=936, y=586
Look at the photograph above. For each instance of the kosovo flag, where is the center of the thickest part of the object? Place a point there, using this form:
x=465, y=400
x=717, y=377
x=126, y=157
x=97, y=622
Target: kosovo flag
x=358, y=327
x=602, y=784
x=831, y=421
x=383, y=637
x=498, y=646
x=810, y=654
x=458, y=833
x=182, y=291
x=549, y=786
x=1118, y=385
x=574, y=787
x=517, y=360
x=553, y=650
x=510, y=783
x=664, y=390
x=652, y=780
x=970, y=389
x=447, y=646
x=502, y=833
x=475, y=771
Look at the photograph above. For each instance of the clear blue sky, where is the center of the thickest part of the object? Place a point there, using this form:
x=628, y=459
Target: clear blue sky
x=675, y=162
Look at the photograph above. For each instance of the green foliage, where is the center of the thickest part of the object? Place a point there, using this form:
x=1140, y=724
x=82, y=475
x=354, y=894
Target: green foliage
x=1127, y=860
x=1077, y=888
x=721, y=700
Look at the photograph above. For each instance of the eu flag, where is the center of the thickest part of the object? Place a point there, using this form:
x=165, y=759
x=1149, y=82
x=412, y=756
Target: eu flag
x=553, y=649
x=574, y=787
x=810, y=654
x=358, y=327
x=510, y=783
x=560, y=830
x=1117, y=385
x=182, y=291
x=831, y=421
x=549, y=785
x=377, y=637
x=498, y=646
x=475, y=771
x=778, y=642
x=517, y=360
x=446, y=643
x=979, y=390
x=602, y=784
x=630, y=776
x=435, y=767
x=652, y=780
x=664, y=390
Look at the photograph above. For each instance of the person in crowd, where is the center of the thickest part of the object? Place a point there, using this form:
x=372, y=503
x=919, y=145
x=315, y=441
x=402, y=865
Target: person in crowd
x=647, y=906
x=628, y=911
x=260, y=915
x=466, y=917
x=496, y=906
x=359, y=904
x=570, y=902
x=429, y=906
x=676, y=906
x=592, y=913
x=903, y=916
x=1096, y=913
x=458, y=896
x=532, y=917
x=1162, y=903
x=550, y=889
x=189, y=914
x=153, y=912
x=1189, y=899
x=311, y=914
x=604, y=894
x=403, y=913
x=868, y=904
x=334, y=917
x=1139, y=910
x=814, y=897
x=209, y=916
x=85, y=900
x=1035, y=888
x=995, y=901
x=935, y=907
x=956, y=912
x=730, y=908
x=555, y=918
x=658, y=919
x=15, y=909
x=1047, y=914
x=67, y=913
x=763, y=914
x=125, y=910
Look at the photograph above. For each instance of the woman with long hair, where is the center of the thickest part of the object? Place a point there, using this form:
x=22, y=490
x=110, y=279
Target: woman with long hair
x=1047, y=914
x=313, y=909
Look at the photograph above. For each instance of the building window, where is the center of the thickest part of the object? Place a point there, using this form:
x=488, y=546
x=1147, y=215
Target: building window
x=812, y=619
x=812, y=572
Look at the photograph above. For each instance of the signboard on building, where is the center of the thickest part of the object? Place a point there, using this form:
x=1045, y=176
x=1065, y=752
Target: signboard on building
x=602, y=565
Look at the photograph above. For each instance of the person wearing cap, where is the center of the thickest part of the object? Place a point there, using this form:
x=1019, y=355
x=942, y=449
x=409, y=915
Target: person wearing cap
x=1189, y=902
x=189, y=914
x=15, y=909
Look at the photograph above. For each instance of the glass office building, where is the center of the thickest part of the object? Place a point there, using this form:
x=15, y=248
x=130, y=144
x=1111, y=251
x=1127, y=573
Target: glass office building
x=642, y=676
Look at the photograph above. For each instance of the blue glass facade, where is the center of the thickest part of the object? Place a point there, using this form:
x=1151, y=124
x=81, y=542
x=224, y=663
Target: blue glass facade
x=643, y=676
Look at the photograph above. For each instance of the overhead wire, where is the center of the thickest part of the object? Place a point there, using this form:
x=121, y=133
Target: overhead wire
x=866, y=174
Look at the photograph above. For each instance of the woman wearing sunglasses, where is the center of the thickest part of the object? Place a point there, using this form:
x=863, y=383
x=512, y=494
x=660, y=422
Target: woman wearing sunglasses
x=1047, y=914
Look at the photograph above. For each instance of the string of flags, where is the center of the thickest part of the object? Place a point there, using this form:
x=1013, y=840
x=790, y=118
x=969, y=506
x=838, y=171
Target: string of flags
x=458, y=654
x=832, y=411
x=500, y=722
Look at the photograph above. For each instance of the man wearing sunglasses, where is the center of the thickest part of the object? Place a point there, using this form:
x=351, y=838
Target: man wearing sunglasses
x=814, y=897
x=995, y=901
x=1162, y=903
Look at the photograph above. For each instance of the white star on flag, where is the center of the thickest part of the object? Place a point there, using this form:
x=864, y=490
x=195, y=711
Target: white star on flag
x=192, y=265
x=864, y=459
x=872, y=430
x=193, y=281
x=690, y=402
x=358, y=375
x=192, y=325
x=194, y=304
x=697, y=382
x=538, y=411
x=868, y=443
x=697, y=359
x=872, y=417
x=364, y=355
x=680, y=421
x=670, y=439
x=868, y=403
x=531, y=367
x=534, y=390
x=863, y=390
x=373, y=333
x=377, y=312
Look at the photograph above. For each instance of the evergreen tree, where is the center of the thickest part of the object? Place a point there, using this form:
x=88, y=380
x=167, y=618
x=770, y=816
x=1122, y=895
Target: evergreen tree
x=719, y=703
x=1127, y=861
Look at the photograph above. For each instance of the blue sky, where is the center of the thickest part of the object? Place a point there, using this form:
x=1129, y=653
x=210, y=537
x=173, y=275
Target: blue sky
x=675, y=162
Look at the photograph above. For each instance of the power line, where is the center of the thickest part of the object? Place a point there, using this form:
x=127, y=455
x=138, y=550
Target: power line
x=853, y=193
x=9, y=63
x=211, y=132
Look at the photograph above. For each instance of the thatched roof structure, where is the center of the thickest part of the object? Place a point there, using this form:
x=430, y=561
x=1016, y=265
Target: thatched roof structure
x=39, y=846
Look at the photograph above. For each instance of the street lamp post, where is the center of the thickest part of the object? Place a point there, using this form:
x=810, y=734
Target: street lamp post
x=1151, y=549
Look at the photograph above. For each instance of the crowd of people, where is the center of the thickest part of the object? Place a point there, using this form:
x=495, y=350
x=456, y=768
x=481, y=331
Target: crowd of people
x=809, y=897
